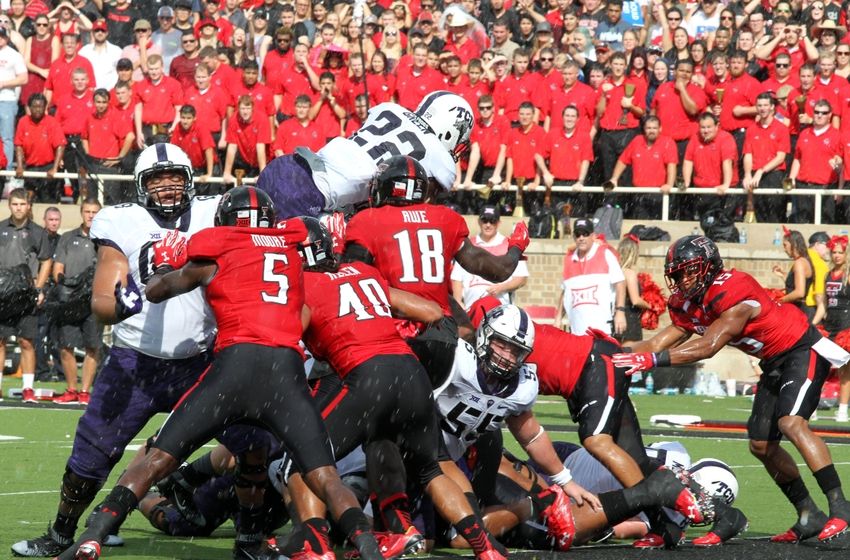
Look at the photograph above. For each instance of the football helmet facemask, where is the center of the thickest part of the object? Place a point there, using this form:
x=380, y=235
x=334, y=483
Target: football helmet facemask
x=167, y=200
x=511, y=330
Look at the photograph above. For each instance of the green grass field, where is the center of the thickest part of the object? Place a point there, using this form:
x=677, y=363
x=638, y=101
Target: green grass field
x=35, y=443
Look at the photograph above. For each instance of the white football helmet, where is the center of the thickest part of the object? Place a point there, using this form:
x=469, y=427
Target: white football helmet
x=163, y=157
x=510, y=324
x=450, y=118
x=716, y=478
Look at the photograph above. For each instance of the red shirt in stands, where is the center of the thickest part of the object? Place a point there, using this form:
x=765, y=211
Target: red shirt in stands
x=566, y=153
x=610, y=119
x=513, y=90
x=195, y=142
x=386, y=89
x=105, y=134
x=258, y=292
x=649, y=163
x=350, y=87
x=210, y=106
x=291, y=134
x=764, y=142
x=59, y=75
x=274, y=63
x=708, y=159
x=777, y=328
x=490, y=138
x=412, y=246
x=160, y=101
x=582, y=96
x=412, y=87
x=815, y=152
x=675, y=121
x=290, y=85
x=39, y=140
x=261, y=94
x=72, y=111
x=350, y=318
x=224, y=78
x=183, y=68
x=466, y=51
x=522, y=145
x=741, y=91
x=246, y=136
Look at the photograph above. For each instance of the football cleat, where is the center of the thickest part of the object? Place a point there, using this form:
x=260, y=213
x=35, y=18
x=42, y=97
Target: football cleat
x=730, y=523
x=89, y=550
x=649, y=541
x=28, y=396
x=394, y=545
x=834, y=527
x=308, y=554
x=799, y=532
x=559, y=519
x=70, y=396
x=84, y=397
x=48, y=545
x=688, y=505
x=491, y=554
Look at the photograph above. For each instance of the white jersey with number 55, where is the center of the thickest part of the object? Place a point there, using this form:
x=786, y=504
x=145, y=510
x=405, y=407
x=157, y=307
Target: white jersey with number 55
x=466, y=408
x=179, y=327
x=389, y=130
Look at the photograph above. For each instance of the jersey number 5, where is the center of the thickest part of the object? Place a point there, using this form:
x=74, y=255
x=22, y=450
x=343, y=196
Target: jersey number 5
x=269, y=275
x=429, y=247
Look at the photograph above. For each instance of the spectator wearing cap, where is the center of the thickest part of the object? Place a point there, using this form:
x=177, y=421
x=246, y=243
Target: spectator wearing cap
x=488, y=150
x=766, y=147
x=141, y=49
x=183, y=65
x=610, y=30
x=501, y=42
x=158, y=99
x=652, y=158
x=183, y=16
x=413, y=83
x=13, y=74
x=167, y=37
x=207, y=32
x=569, y=150
x=575, y=93
x=459, y=42
x=468, y=288
x=120, y=18
x=107, y=140
x=517, y=87
x=259, y=28
x=710, y=164
x=497, y=10
x=211, y=16
x=593, y=290
x=426, y=24
x=212, y=104
x=817, y=157
x=678, y=104
x=526, y=148
x=39, y=146
x=59, y=76
x=820, y=255
x=621, y=105
x=103, y=55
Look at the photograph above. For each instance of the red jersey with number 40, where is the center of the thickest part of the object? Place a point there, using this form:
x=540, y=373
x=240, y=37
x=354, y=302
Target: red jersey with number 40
x=776, y=329
x=412, y=246
x=350, y=319
x=258, y=292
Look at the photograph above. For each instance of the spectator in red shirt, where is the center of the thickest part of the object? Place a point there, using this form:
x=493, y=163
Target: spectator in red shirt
x=524, y=143
x=487, y=154
x=72, y=111
x=569, y=150
x=573, y=93
x=418, y=80
x=59, y=76
x=678, y=104
x=766, y=146
x=517, y=87
x=183, y=65
x=709, y=164
x=194, y=138
x=247, y=140
x=212, y=105
x=300, y=130
x=122, y=103
x=790, y=39
x=652, y=159
x=158, y=100
x=261, y=94
x=358, y=117
x=278, y=58
x=618, y=113
x=817, y=158
x=326, y=110
x=357, y=83
x=459, y=41
x=106, y=141
x=39, y=146
x=298, y=79
x=738, y=108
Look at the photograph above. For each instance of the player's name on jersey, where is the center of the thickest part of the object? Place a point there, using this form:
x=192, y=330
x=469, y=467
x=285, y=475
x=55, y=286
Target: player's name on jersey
x=268, y=241
x=414, y=216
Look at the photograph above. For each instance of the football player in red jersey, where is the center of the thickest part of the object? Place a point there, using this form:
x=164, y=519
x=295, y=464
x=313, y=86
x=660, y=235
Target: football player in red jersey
x=730, y=307
x=254, y=283
x=351, y=327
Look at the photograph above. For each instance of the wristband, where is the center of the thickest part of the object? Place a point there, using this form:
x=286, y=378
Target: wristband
x=562, y=478
x=661, y=359
x=620, y=308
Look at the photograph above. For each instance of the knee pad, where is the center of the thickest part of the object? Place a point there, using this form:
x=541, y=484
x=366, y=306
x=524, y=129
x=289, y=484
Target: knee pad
x=78, y=491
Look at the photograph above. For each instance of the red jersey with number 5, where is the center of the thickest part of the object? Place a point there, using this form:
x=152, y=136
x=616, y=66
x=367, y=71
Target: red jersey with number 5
x=774, y=330
x=350, y=319
x=412, y=246
x=258, y=291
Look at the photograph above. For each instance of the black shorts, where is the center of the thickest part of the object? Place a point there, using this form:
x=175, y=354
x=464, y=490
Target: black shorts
x=597, y=402
x=435, y=349
x=250, y=384
x=385, y=398
x=86, y=334
x=790, y=386
x=25, y=327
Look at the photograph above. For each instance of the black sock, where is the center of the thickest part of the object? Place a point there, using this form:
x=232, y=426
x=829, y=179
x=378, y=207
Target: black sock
x=472, y=529
x=251, y=520
x=198, y=471
x=616, y=507
x=114, y=510
x=798, y=495
x=66, y=525
x=830, y=485
x=395, y=513
x=316, y=533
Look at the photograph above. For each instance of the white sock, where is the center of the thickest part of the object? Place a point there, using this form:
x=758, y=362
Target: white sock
x=28, y=379
x=842, y=409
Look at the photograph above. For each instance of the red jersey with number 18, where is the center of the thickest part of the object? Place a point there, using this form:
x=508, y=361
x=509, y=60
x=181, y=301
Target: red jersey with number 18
x=350, y=319
x=776, y=329
x=258, y=291
x=412, y=246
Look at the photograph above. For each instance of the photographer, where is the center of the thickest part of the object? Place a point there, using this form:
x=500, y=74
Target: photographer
x=76, y=326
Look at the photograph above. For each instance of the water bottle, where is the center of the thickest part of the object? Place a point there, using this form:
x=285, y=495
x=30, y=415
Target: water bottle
x=669, y=391
x=743, y=238
x=649, y=383
x=777, y=237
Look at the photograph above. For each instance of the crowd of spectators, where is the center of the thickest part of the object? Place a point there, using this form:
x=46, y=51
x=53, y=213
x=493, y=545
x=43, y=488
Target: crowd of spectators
x=562, y=91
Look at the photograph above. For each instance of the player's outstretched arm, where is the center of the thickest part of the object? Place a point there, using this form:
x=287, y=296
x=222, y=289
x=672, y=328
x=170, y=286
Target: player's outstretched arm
x=410, y=306
x=728, y=326
x=669, y=337
x=495, y=268
x=112, y=269
x=164, y=286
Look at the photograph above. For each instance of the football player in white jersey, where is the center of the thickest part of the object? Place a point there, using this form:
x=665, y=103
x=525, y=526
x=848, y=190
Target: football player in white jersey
x=436, y=134
x=159, y=350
